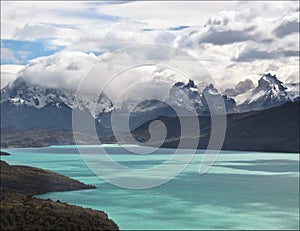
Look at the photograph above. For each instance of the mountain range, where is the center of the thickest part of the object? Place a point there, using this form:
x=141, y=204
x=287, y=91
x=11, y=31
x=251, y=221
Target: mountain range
x=26, y=106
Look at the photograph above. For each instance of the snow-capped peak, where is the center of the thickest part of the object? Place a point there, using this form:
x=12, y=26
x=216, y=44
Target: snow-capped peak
x=210, y=89
x=185, y=95
x=21, y=92
x=190, y=97
x=270, y=92
x=269, y=81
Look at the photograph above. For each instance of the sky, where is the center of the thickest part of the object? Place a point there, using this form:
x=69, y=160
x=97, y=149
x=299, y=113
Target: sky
x=56, y=43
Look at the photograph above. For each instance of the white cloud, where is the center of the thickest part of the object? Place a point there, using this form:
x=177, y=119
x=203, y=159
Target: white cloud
x=266, y=9
x=163, y=15
x=109, y=37
x=9, y=73
x=219, y=33
x=249, y=27
x=34, y=31
x=61, y=70
x=67, y=69
x=15, y=15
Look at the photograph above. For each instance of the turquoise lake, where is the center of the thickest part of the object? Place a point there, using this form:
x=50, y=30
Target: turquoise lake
x=242, y=190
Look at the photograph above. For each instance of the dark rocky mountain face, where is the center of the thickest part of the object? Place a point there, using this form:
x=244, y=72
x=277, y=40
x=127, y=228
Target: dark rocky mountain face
x=26, y=117
x=184, y=100
x=269, y=93
x=271, y=130
x=189, y=97
x=21, y=92
x=274, y=130
x=210, y=94
x=271, y=121
x=28, y=106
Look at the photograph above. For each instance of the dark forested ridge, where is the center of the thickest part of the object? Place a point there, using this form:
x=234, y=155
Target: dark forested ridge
x=21, y=211
x=30, y=180
x=270, y=130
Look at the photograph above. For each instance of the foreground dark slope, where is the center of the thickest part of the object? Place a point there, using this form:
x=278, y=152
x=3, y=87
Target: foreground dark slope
x=271, y=130
x=23, y=212
x=29, y=180
x=20, y=211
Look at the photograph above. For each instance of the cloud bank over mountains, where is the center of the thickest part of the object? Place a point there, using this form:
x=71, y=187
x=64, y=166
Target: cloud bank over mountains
x=235, y=41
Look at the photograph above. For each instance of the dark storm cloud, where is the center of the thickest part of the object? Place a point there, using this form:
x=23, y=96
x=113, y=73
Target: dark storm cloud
x=253, y=54
x=225, y=37
x=286, y=28
x=232, y=36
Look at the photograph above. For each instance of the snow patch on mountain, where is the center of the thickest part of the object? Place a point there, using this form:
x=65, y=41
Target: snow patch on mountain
x=270, y=92
x=190, y=97
x=187, y=97
x=20, y=92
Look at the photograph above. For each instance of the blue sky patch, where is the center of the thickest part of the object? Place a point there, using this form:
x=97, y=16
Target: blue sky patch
x=20, y=52
x=178, y=28
x=148, y=29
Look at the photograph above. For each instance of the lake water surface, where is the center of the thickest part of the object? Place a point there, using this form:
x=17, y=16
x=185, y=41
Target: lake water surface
x=243, y=190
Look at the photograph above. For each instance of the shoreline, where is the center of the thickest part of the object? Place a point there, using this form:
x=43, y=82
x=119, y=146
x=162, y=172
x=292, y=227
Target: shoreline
x=132, y=145
x=21, y=184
